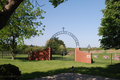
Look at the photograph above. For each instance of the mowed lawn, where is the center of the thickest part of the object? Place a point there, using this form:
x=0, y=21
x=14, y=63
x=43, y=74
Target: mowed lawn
x=38, y=69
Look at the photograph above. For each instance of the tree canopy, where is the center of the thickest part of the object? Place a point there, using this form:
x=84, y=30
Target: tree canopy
x=7, y=7
x=57, y=45
x=110, y=30
x=22, y=25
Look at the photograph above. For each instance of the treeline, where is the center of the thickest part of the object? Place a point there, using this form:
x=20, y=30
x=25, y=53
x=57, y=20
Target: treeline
x=23, y=49
x=26, y=48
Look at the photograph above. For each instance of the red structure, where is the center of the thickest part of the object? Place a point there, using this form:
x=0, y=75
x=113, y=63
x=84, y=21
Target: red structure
x=82, y=57
x=44, y=54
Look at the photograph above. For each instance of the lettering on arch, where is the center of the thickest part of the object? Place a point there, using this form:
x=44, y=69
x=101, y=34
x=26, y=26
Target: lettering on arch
x=68, y=33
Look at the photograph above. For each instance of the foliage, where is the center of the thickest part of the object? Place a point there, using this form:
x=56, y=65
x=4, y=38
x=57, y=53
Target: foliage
x=55, y=3
x=5, y=13
x=4, y=46
x=61, y=48
x=2, y=3
x=55, y=44
x=110, y=30
x=70, y=49
x=9, y=72
x=24, y=49
x=22, y=25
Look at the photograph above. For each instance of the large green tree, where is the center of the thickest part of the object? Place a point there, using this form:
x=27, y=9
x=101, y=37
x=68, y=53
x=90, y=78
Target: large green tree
x=110, y=30
x=57, y=45
x=22, y=25
x=7, y=7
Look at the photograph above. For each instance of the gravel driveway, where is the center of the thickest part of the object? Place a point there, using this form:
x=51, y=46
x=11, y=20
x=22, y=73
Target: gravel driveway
x=73, y=76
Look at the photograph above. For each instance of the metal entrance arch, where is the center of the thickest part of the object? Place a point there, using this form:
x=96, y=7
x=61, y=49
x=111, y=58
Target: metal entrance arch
x=68, y=33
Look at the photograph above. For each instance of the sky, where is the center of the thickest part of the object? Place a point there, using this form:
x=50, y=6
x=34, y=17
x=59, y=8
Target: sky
x=80, y=17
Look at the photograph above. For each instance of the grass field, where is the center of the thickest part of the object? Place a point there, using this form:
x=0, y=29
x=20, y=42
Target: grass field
x=37, y=69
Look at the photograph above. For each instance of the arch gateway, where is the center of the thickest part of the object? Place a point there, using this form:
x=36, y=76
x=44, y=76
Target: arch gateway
x=68, y=33
x=46, y=54
x=79, y=55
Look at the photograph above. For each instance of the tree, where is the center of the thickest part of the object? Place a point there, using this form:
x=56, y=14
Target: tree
x=56, y=45
x=22, y=26
x=7, y=7
x=110, y=30
x=61, y=49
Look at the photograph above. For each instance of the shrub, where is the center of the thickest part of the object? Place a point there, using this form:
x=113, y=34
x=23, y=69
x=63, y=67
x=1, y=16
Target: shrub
x=9, y=72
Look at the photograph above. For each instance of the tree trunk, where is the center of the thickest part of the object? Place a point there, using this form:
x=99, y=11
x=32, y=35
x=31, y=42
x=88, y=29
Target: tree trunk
x=13, y=47
x=12, y=55
x=13, y=50
x=7, y=11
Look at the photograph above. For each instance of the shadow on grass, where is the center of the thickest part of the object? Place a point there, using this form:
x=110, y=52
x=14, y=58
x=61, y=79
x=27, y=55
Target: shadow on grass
x=57, y=58
x=112, y=71
x=63, y=58
x=24, y=59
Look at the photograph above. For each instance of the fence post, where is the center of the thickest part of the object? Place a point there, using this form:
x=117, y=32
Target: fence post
x=111, y=58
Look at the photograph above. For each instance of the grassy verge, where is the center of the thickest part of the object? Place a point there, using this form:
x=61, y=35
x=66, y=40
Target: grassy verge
x=37, y=69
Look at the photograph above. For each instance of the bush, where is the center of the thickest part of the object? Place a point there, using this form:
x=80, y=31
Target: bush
x=9, y=72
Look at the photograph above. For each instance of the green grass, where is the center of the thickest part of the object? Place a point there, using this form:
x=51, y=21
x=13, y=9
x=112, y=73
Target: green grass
x=67, y=57
x=104, y=52
x=37, y=69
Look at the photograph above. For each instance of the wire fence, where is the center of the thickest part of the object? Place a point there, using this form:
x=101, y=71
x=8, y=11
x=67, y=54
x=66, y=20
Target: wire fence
x=5, y=53
x=110, y=58
x=106, y=58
